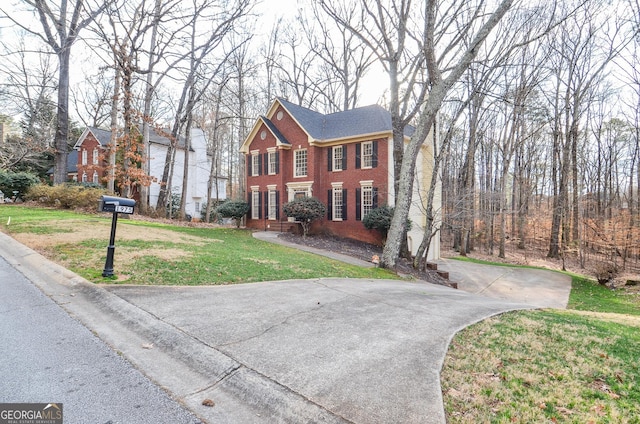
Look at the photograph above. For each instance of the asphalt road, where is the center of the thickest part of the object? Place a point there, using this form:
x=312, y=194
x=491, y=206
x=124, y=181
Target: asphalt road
x=48, y=357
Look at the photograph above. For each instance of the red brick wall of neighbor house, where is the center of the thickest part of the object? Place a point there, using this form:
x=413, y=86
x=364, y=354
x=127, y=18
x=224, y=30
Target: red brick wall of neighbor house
x=88, y=145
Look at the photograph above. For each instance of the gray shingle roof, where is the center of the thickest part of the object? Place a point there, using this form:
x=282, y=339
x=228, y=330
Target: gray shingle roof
x=349, y=123
x=104, y=137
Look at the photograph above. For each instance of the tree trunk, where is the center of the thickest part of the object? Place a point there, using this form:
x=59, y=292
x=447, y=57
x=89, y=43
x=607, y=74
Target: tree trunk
x=62, y=123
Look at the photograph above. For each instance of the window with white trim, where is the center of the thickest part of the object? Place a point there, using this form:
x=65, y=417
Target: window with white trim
x=272, y=163
x=255, y=164
x=255, y=204
x=95, y=177
x=367, y=200
x=273, y=204
x=300, y=163
x=84, y=157
x=84, y=177
x=338, y=152
x=96, y=156
x=337, y=202
x=367, y=154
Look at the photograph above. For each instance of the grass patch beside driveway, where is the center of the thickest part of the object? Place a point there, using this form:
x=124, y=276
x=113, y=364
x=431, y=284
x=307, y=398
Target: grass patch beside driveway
x=165, y=254
x=568, y=366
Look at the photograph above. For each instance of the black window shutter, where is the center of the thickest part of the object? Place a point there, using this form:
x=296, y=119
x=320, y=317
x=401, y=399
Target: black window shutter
x=358, y=204
x=277, y=202
x=358, y=147
x=250, y=202
x=259, y=165
x=265, y=159
x=266, y=204
x=330, y=204
x=374, y=195
x=259, y=206
x=249, y=162
x=330, y=159
x=344, y=157
x=344, y=204
x=277, y=162
x=374, y=159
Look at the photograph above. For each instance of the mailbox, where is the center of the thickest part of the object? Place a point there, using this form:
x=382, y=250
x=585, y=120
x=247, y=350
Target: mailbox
x=116, y=205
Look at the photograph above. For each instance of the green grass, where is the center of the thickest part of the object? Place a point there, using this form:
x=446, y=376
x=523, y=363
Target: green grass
x=578, y=365
x=182, y=256
x=543, y=366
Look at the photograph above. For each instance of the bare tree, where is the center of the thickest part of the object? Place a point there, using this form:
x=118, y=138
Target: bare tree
x=61, y=24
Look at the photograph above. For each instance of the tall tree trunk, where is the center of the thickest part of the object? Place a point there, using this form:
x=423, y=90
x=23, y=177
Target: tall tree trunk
x=62, y=121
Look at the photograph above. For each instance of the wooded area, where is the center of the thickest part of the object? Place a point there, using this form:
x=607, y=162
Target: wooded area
x=536, y=106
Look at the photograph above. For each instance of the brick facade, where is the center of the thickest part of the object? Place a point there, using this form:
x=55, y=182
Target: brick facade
x=281, y=134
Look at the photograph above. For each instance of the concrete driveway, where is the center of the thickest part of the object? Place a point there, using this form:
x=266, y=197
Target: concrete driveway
x=536, y=287
x=324, y=350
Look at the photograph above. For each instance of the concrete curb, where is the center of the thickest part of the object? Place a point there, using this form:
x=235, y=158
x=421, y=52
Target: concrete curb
x=197, y=371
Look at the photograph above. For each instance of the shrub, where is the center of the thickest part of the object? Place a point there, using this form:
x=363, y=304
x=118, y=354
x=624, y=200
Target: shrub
x=605, y=272
x=16, y=181
x=305, y=210
x=380, y=219
x=235, y=209
x=66, y=196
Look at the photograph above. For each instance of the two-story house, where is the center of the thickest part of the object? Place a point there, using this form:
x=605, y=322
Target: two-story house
x=93, y=153
x=344, y=159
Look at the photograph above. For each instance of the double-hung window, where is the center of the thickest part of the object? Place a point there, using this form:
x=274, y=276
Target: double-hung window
x=255, y=164
x=300, y=163
x=84, y=157
x=255, y=204
x=367, y=154
x=337, y=203
x=273, y=204
x=96, y=156
x=338, y=154
x=367, y=200
x=272, y=163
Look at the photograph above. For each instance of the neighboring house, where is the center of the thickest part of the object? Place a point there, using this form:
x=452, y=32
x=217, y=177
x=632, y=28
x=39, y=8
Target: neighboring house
x=344, y=159
x=93, y=153
x=72, y=167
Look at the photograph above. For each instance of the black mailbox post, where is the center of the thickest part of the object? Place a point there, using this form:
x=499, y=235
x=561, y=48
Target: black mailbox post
x=114, y=205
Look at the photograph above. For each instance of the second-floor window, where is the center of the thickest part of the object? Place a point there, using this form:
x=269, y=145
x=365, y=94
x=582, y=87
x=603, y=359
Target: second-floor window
x=338, y=154
x=255, y=164
x=367, y=154
x=273, y=163
x=84, y=157
x=95, y=156
x=300, y=163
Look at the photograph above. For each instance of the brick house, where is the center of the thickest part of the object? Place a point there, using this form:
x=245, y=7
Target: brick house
x=344, y=159
x=93, y=153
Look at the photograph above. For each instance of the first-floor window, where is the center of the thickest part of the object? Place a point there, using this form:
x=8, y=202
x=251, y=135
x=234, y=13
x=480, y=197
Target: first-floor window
x=337, y=203
x=367, y=200
x=273, y=204
x=255, y=204
x=84, y=177
x=95, y=177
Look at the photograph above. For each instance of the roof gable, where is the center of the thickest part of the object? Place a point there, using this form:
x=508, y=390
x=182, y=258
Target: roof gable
x=372, y=119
